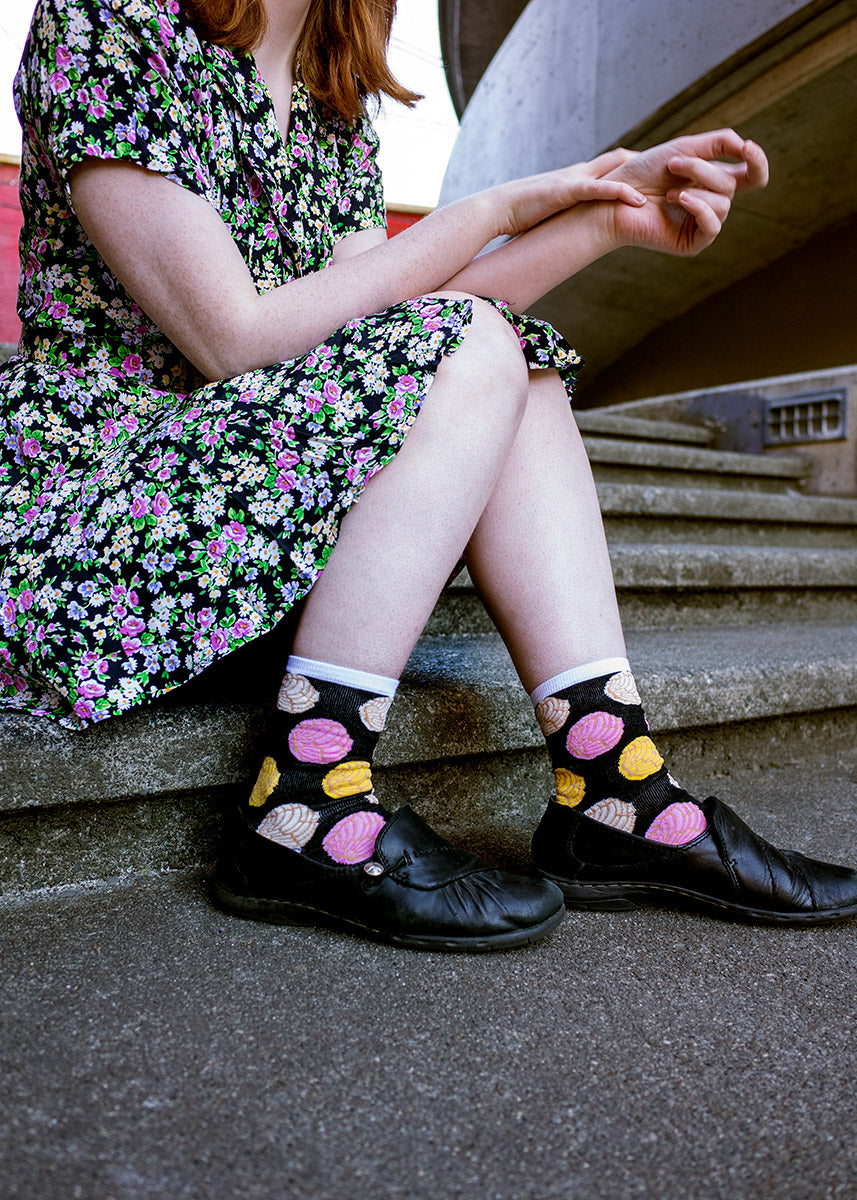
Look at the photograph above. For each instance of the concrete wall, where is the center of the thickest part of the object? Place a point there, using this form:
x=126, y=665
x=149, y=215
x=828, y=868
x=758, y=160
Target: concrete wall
x=575, y=75
x=799, y=314
x=776, y=292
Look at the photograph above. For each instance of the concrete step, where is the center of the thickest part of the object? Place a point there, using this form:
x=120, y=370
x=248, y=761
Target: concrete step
x=674, y=585
x=139, y=1059
x=640, y=513
x=140, y=792
x=599, y=422
x=617, y=461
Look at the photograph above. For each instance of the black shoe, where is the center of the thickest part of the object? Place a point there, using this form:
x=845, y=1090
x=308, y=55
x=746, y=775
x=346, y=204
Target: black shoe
x=728, y=870
x=415, y=891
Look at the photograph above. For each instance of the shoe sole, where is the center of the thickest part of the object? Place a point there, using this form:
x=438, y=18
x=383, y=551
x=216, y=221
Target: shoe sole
x=286, y=912
x=625, y=897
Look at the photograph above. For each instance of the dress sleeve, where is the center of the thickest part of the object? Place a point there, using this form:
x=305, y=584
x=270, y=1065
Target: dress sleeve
x=361, y=191
x=115, y=81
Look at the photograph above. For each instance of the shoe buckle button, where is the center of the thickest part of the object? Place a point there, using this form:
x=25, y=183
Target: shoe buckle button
x=373, y=868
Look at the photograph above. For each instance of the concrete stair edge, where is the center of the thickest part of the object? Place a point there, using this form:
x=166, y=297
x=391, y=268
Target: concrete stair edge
x=653, y=456
x=615, y=424
x=621, y=499
x=673, y=565
x=460, y=697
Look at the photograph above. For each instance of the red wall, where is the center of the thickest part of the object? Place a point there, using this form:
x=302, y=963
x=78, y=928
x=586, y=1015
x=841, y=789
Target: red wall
x=10, y=225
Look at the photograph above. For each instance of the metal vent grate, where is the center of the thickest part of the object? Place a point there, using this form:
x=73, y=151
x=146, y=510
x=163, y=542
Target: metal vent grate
x=812, y=417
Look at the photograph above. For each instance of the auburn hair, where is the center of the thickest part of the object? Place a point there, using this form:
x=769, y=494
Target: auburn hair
x=342, y=50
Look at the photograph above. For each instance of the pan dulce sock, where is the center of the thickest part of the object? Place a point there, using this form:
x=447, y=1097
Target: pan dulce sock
x=314, y=791
x=605, y=763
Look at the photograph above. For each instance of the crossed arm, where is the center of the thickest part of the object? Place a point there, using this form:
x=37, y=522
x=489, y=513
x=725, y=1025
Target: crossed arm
x=176, y=257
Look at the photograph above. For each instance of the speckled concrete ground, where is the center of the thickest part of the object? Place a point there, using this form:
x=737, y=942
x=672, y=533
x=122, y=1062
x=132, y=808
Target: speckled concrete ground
x=155, y=1048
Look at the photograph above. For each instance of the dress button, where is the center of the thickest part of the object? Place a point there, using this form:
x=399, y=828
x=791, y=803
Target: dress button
x=373, y=868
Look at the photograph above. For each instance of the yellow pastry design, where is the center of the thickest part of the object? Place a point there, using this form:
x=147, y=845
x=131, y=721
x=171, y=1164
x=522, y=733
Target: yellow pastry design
x=640, y=759
x=348, y=779
x=570, y=788
x=267, y=780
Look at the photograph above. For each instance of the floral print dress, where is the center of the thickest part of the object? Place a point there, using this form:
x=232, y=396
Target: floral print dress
x=150, y=522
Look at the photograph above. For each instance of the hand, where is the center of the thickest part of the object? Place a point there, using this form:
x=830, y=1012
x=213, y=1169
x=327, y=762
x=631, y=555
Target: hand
x=689, y=190
x=525, y=203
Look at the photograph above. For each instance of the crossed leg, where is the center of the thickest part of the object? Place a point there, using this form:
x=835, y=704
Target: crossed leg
x=493, y=467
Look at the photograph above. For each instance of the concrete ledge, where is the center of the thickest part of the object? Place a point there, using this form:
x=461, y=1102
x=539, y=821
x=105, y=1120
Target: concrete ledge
x=598, y=421
x=646, y=513
x=751, y=467
x=661, y=568
x=627, y=498
x=460, y=697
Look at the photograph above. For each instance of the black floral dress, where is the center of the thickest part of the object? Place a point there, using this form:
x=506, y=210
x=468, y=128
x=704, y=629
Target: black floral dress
x=150, y=522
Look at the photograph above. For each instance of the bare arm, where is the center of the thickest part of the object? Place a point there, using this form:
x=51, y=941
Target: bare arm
x=174, y=254
x=689, y=189
x=176, y=257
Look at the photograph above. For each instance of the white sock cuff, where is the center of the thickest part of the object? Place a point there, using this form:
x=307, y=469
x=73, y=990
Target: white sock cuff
x=379, y=685
x=592, y=670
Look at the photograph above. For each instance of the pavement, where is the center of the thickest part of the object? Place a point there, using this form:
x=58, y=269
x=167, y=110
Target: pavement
x=155, y=1049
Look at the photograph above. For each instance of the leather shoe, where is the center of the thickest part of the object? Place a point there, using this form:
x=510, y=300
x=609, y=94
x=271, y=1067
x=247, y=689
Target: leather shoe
x=728, y=870
x=417, y=890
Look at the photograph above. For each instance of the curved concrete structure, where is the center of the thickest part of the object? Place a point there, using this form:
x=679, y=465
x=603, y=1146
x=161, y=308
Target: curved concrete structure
x=470, y=36
x=573, y=78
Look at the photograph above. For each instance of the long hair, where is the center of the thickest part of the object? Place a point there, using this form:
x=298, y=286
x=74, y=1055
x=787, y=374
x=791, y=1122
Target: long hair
x=342, y=50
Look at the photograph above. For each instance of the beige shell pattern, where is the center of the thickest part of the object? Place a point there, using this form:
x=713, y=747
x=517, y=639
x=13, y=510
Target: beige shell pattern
x=297, y=694
x=290, y=825
x=622, y=687
x=570, y=788
x=618, y=814
x=267, y=780
x=552, y=714
x=348, y=779
x=373, y=713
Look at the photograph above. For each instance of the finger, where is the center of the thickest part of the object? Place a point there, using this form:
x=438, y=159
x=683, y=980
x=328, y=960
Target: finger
x=717, y=143
x=581, y=190
x=603, y=164
x=712, y=176
x=753, y=172
x=708, y=222
x=716, y=201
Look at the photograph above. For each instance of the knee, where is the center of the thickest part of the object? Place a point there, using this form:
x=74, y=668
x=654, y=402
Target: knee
x=492, y=350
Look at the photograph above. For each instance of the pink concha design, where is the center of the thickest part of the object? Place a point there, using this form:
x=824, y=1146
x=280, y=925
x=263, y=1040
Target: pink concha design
x=373, y=713
x=594, y=734
x=290, y=825
x=640, y=759
x=552, y=714
x=622, y=687
x=319, y=740
x=618, y=814
x=678, y=824
x=297, y=694
x=352, y=839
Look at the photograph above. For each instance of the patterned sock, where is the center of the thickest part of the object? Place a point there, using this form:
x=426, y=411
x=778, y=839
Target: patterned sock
x=605, y=763
x=314, y=791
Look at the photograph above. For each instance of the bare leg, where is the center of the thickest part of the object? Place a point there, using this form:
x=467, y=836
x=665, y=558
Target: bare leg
x=538, y=555
x=400, y=542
